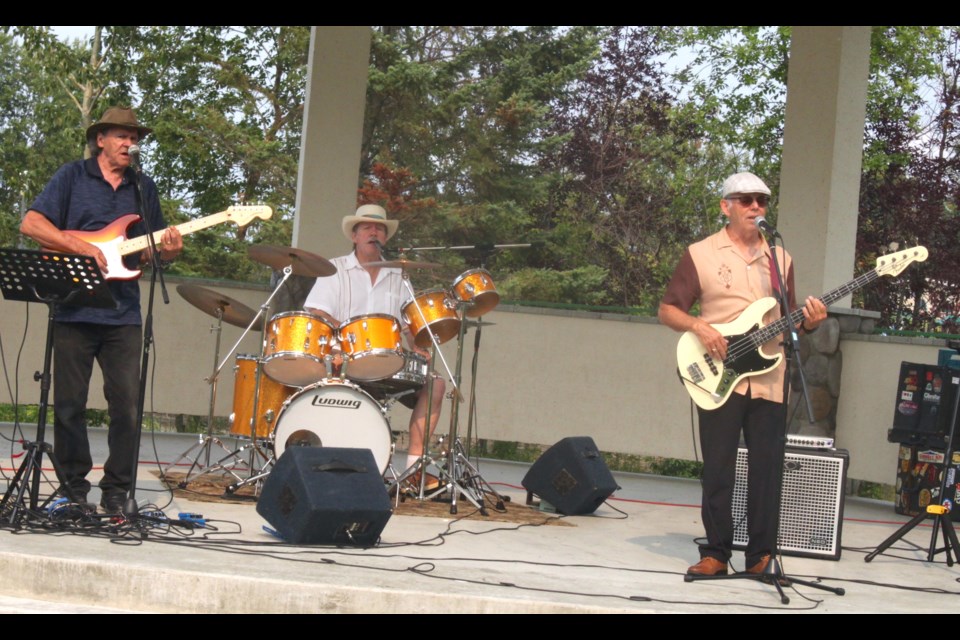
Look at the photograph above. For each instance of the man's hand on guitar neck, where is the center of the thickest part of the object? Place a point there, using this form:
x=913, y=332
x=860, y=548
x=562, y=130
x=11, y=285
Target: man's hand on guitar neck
x=170, y=245
x=814, y=312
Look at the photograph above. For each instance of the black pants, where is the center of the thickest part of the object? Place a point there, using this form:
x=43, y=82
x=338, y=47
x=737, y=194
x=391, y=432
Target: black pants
x=117, y=349
x=762, y=423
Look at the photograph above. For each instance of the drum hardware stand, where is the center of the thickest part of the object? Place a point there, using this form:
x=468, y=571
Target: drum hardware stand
x=207, y=440
x=259, y=461
x=463, y=475
x=942, y=522
x=425, y=459
x=55, y=280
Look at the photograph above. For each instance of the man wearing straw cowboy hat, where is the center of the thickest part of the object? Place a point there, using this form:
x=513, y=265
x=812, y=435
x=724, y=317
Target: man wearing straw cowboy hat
x=87, y=195
x=358, y=289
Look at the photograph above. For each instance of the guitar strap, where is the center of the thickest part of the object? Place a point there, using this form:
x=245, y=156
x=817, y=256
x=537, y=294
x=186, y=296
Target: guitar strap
x=774, y=285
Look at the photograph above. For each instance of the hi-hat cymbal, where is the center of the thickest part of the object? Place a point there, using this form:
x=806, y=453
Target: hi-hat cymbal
x=210, y=302
x=403, y=263
x=303, y=262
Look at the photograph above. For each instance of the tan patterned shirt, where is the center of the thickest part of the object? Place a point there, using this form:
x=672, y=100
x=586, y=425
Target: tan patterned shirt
x=714, y=272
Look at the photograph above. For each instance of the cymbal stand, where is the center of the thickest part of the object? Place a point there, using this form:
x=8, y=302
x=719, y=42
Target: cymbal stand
x=208, y=440
x=425, y=459
x=462, y=474
x=257, y=454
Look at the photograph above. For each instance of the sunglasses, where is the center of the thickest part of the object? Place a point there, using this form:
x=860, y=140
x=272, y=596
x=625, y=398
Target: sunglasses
x=747, y=201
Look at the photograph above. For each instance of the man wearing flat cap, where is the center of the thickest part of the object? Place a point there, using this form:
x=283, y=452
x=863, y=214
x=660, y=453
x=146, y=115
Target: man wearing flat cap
x=358, y=289
x=725, y=273
x=87, y=195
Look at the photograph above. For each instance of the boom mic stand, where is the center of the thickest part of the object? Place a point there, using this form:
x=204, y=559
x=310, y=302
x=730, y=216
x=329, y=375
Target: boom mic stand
x=55, y=279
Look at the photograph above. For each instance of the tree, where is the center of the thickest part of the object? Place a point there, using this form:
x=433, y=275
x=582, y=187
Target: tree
x=910, y=188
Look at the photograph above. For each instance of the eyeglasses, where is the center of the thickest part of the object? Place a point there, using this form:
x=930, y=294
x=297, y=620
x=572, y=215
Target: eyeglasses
x=747, y=201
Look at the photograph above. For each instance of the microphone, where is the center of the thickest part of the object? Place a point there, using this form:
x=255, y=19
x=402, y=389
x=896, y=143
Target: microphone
x=379, y=247
x=766, y=227
x=134, y=152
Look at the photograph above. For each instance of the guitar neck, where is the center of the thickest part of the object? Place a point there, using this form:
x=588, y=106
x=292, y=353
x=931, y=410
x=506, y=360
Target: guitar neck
x=142, y=242
x=774, y=329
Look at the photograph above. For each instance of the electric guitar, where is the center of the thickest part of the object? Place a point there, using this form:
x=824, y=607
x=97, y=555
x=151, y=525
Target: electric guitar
x=710, y=381
x=113, y=242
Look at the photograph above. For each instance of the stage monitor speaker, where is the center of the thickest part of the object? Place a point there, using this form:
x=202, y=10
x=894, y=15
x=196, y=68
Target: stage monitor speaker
x=811, y=511
x=572, y=476
x=326, y=495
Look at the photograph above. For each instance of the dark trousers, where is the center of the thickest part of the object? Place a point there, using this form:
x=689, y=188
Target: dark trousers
x=762, y=424
x=117, y=349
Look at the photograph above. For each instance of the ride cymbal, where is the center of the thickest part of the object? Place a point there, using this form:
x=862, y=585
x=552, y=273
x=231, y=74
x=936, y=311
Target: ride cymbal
x=303, y=262
x=403, y=263
x=210, y=302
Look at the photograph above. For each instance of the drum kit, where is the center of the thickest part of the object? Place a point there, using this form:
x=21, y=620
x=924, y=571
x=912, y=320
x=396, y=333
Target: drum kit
x=291, y=394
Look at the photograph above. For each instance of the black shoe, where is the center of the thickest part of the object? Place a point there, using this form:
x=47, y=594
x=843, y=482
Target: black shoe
x=113, y=502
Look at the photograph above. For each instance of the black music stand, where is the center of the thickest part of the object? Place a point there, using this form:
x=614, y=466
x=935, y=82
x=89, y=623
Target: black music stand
x=56, y=279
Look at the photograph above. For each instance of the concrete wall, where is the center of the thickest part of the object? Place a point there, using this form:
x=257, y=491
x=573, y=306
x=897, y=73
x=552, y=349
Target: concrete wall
x=868, y=394
x=542, y=375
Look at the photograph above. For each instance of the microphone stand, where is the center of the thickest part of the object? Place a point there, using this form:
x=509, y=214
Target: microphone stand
x=130, y=509
x=773, y=572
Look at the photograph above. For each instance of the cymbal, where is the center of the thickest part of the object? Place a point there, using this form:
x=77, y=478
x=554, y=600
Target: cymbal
x=303, y=262
x=209, y=301
x=403, y=263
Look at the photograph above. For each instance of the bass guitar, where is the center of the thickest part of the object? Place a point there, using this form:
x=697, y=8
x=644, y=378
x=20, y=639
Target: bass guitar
x=710, y=381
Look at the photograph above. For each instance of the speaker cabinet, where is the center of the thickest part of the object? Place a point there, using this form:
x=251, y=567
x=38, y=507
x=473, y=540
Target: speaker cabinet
x=326, y=495
x=572, y=476
x=811, y=510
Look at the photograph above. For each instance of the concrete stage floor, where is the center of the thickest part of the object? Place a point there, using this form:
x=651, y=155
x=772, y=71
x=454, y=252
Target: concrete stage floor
x=629, y=556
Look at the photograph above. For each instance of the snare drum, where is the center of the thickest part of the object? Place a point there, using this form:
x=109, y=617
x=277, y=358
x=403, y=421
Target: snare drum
x=439, y=310
x=476, y=286
x=332, y=413
x=296, y=344
x=271, y=397
x=372, y=344
x=403, y=383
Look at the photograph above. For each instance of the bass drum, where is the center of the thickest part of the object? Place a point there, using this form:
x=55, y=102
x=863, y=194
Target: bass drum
x=334, y=414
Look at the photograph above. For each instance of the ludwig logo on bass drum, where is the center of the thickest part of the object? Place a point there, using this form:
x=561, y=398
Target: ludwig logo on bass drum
x=340, y=403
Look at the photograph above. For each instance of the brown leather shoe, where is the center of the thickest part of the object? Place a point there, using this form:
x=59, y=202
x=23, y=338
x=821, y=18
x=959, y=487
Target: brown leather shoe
x=708, y=567
x=760, y=566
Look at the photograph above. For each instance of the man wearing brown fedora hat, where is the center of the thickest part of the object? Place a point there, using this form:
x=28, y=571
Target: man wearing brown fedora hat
x=87, y=195
x=357, y=289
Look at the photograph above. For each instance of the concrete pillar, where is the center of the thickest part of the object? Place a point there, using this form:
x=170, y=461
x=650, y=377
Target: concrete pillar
x=822, y=154
x=332, y=130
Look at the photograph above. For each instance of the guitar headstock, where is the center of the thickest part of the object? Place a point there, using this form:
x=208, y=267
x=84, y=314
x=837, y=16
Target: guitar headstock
x=245, y=214
x=892, y=264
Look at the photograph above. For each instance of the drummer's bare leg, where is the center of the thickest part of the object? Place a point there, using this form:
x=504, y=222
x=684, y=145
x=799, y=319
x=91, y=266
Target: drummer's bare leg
x=419, y=416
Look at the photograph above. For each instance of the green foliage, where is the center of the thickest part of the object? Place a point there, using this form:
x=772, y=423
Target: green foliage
x=575, y=140
x=582, y=285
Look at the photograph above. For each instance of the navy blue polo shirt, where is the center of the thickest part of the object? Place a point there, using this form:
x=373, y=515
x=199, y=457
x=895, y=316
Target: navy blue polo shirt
x=78, y=198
